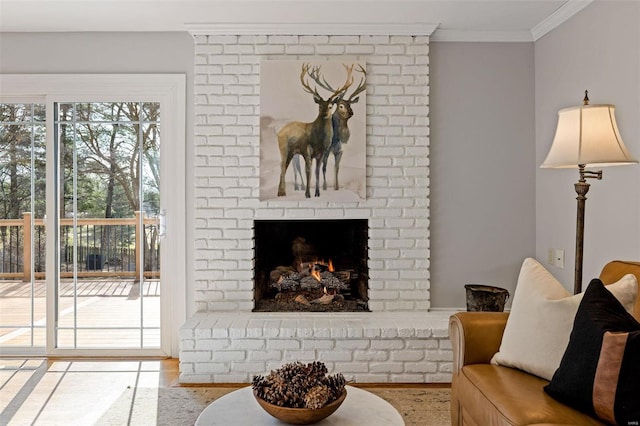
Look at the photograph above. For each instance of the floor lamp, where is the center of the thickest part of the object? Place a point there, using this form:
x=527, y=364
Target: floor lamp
x=586, y=135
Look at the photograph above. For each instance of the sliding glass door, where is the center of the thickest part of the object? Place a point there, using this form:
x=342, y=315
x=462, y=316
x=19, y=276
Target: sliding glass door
x=22, y=236
x=87, y=192
x=108, y=223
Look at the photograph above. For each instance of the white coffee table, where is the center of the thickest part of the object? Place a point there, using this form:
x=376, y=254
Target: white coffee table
x=359, y=408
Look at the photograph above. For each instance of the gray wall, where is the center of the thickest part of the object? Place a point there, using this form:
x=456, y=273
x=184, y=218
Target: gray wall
x=482, y=173
x=598, y=49
x=482, y=141
x=97, y=53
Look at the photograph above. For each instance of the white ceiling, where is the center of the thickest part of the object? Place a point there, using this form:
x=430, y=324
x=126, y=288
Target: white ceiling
x=483, y=20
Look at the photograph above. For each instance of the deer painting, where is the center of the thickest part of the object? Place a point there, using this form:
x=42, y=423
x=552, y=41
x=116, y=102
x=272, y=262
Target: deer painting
x=310, y=140
x=339, y=120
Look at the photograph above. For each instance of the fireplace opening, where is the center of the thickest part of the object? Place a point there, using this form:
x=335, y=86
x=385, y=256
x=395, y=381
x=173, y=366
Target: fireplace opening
x=311, y=265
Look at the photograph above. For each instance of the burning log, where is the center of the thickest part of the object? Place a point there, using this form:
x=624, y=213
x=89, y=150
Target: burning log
x=287, y=285
x=310, y=283
x=302, y=300
x=325, y=279
x=325, y=299
x=343, y=276
x=320, y=267
x=330, y=281
x=280, y=271
x=315, y=265
x=283, y=279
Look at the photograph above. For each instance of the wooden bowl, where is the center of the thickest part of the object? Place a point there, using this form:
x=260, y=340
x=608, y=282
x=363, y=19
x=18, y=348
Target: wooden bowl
x=301, y=416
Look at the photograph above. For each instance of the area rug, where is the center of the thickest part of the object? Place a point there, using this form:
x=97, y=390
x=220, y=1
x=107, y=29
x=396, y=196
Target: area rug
x=167, y=406
x=418, y=406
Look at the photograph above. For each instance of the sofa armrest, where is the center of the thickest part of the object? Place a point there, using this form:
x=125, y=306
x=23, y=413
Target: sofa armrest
x=475, y=337
x=617, y=269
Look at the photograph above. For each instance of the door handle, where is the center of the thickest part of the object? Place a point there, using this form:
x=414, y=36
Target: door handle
x=162, y=223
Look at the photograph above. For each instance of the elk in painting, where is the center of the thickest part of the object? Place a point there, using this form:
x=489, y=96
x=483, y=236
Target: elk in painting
x=310, y=140
x=341, y=132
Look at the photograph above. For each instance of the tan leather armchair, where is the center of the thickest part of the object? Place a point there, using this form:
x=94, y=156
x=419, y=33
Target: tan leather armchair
x=483, y=394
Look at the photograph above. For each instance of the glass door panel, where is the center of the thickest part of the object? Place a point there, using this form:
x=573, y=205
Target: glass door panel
x=22, y=237
x=108, y=291
x=153, y=223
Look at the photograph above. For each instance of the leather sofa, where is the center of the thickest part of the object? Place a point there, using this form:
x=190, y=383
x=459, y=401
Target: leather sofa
x=484, y=394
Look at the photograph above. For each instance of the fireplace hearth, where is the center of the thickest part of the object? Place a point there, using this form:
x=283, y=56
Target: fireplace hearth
x=311, y=265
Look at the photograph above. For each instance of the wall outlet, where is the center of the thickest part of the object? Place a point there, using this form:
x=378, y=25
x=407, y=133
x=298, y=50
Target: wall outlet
x=559, y=258
x=555, y=257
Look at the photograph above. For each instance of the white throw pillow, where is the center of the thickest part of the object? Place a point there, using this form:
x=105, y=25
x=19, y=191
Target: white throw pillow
x=541, y=318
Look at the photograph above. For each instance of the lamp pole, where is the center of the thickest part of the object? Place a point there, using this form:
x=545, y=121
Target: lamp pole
x=582, y=187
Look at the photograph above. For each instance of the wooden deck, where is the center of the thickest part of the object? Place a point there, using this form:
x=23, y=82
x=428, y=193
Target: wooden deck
x=107, y=287
x=108, y=304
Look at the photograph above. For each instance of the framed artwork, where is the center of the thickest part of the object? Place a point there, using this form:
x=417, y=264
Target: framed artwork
x=313, y=130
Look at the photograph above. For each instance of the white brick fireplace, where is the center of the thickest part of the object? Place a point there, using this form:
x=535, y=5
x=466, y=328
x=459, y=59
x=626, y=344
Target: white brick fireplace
x=399, y=340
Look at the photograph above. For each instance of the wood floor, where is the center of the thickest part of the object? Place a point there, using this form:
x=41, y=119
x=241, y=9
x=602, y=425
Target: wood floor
x=84, y=392
x=78, y=392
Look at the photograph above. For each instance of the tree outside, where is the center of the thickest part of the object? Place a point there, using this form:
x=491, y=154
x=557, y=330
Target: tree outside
x=109, y=168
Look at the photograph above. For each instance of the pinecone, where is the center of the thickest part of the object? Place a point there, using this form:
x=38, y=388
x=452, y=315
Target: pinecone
x=318, y=369
x=317, y=397
x=335, y=384
x=289, y=385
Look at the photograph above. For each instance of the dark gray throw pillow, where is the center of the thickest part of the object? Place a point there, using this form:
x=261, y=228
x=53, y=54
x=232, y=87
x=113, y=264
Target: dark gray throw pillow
x=600, y=371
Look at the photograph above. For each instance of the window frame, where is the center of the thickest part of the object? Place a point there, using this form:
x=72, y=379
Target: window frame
x=170, y=91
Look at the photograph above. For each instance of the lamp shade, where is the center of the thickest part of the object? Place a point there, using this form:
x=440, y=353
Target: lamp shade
x=587, y=134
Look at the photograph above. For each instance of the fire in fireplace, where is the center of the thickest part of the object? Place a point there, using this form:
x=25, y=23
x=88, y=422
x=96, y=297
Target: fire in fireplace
x=311, y=265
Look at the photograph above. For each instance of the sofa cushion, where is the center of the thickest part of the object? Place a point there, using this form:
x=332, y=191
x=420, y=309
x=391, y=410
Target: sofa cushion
x=505, y=396
x=600, y=370
x=541, y=318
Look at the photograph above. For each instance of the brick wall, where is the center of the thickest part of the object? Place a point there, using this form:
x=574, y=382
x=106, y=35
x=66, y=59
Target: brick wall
x=386, y=347
x=227, y=164
x=399, y=341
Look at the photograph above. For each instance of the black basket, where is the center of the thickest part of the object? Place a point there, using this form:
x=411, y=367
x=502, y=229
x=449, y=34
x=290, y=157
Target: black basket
x=485, y=298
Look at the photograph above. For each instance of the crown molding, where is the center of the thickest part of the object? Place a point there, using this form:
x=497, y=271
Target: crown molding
x=481, y=36
x=417, y=29
x=564, y=12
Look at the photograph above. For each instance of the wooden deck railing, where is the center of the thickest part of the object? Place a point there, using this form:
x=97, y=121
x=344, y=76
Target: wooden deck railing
x=24, y=227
